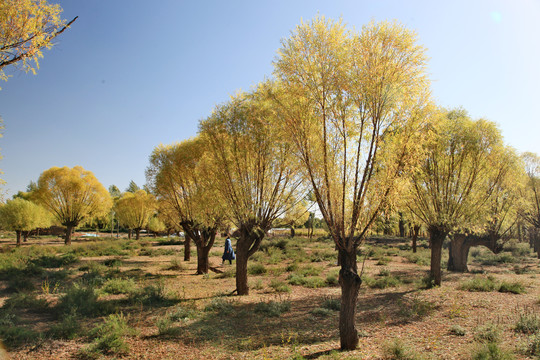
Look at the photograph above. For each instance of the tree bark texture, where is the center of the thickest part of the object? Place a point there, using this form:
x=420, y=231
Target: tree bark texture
x=436, y=236
x=187, y=247
x=460, y=245
x=202, y=259
x=350, y=282
x=416, y=230
x=137, y=234
x=18, y=232
x=248, y=243
x=69, y=231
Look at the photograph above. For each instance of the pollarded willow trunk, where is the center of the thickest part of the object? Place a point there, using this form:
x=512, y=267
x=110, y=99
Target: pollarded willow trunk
x=137, y=233
x=242, y=251
x=69, y=231
x=436, y=236
x=458, y=253
x=25, y=235
x=350, y=282
x=187, y=246
x=129, y=234
x=202, y=259
x=416, y=230
x=18, y=232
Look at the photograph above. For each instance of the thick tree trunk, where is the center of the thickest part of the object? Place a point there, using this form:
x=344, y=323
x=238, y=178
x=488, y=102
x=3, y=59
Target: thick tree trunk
x=69, y=230
x=416, y=230
x=401, y=225
x=293, y=232
x=202, y=259
x=18, y=232
x=137, y=234
x=242, y=250
x=350, y=285
x=437, y=237
x=458, y=253
x=25, y=235
x=129, y=234
x=187, y=247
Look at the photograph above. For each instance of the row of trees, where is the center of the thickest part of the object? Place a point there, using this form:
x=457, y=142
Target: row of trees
x=347, y=119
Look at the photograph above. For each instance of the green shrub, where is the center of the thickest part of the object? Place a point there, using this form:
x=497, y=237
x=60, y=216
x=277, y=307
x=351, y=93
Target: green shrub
x=81, y=299
x=296, y=279
x=272, y=308
x=332, y=304
x=314, y=282
x=381, y=282
x=256, y=269
x=69, y=328
x=518, y=249
x=491, y=351
x=457, y=330
x=54, y=261
x=532, y=345
x=228, y=273
x=528, y=323
x=279, y=286
x=512, y=287
x=490, y=333
x=26, y=301
x=479, y=283
x=397, y=350
x=166, y=327
x=15, y=336
x=416, y=308
x=109, y=336
x=257, y=284
x=181, y=313
x=114, y=262
x=332, y=278
x=152, y=294
x=321, y=312
x=220, y=306
x=292, y=267
x=176, y=264
x=119, y=286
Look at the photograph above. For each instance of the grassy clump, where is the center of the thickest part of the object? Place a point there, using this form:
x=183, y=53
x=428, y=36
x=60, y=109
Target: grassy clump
x=416, y=308
x=220, y=306
x=82, y=299
x=153, y=294
x=15, y=336
x=397, y=350
x=381, y=282
x=332, y=304
x=532, y=345
x=176, y=264
x=68, y=328
x=512, y=287
x=109, y=337
x=321, y=312
x=479, y=283
x=457, y=330
x=489, y=333
x=491, y=351
x=528, y=323
x=272, y=308
x=279, y=286
x=257, y=269
x=26, y=301
x=118, y=286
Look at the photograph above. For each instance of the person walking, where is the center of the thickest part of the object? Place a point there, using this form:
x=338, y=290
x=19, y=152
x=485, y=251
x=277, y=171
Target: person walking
x=228, y=252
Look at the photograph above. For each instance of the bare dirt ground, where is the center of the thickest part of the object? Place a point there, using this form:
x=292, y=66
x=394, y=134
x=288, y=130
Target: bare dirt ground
x=421, y=320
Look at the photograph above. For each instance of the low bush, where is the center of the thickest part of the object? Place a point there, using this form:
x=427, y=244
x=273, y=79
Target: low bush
x=68, y=328
x=512, y=287
x=332, y=304
x=398, y=350
x=272, y=308
x=491, y=351
x=119, y=286
x=321, y=312
x=479, y=283
x=528, y=323
x=220, y=306
x=256, y=269
x=82, y=299
x=166, y=327
x=15, y=336
x=532, y=345
x=279, y=286
x=109, y=336
x=489, y=333
x=381, y=282
x=416, y=308
x=457, y=330
x=26, y=301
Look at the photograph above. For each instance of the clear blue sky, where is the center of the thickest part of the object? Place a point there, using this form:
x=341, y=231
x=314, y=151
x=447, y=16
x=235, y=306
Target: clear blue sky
x=132, y=74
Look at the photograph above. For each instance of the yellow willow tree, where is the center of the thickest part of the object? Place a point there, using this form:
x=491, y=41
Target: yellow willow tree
x=22, y=216
x=531, y=213
x=135, y=209
x=493, y=223
x=179, y=177
x=461, y=167
x=72, y=195
x=27, y=27
x=252, y=167
x=352, y=104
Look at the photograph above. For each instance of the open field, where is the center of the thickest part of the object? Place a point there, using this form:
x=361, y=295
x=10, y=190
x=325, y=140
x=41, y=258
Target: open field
x=105, y=298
